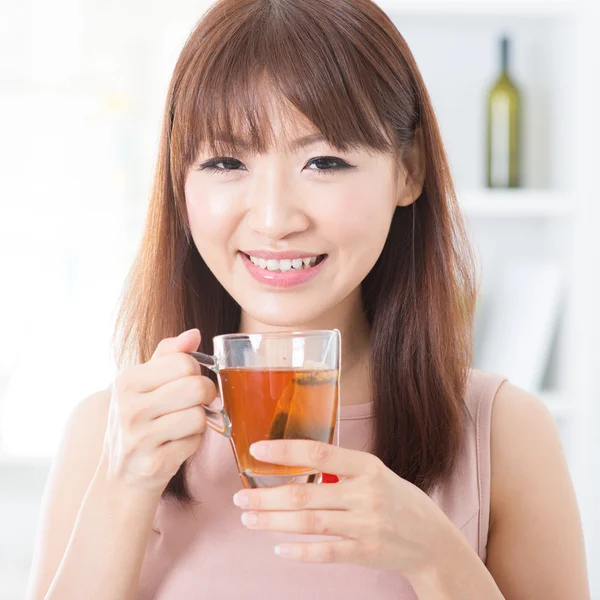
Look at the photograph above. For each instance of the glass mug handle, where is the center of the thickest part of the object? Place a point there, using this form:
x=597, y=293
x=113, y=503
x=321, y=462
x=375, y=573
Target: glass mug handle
x=217, y=419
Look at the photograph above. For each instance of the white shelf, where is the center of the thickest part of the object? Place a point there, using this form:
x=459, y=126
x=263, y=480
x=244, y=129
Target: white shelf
x=522, y=8
x=518, y=203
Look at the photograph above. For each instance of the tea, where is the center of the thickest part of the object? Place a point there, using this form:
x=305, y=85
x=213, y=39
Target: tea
x=277, y=403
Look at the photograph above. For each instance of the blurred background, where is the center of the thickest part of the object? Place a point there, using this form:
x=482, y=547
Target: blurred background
x=82, y=87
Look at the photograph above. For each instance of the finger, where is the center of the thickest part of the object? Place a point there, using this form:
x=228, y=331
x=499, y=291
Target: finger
x=310, y=522
x=177, y=425
x=323, y=457
x=187, y=341
x=181, y=449
x=342, y=551
x=181, y=394
x=157, y=372
x=296, y=497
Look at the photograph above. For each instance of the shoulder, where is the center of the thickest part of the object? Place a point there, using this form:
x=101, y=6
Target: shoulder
x=505, y=404
x=516, y=431
x=510, y=410
x=81, y=443
x=535, y=547
x=92, y=410
x=524, y=439
x=85, y=428
x=517, y=411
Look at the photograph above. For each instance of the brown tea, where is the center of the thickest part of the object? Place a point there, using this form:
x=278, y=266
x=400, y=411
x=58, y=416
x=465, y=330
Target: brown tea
x=267, y=404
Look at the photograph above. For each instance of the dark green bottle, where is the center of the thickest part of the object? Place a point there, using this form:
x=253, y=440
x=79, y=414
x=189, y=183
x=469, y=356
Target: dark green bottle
x=504, y=128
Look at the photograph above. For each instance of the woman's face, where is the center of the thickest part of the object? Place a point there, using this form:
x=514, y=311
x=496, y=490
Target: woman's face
x=291, y=234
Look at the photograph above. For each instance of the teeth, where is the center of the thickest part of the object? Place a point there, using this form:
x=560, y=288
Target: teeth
x=284, y=265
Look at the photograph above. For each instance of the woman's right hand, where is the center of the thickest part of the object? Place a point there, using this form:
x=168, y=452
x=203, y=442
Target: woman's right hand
x=156, y=416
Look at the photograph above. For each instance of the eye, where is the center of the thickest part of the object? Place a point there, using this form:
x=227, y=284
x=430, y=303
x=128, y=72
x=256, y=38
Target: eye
x=327, y=165
x=221, y=165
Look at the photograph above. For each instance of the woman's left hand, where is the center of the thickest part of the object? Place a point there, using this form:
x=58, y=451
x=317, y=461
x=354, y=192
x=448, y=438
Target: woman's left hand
x=384, y=521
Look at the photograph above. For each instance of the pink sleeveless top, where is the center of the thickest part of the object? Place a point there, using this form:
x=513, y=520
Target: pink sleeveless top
x=204, y=551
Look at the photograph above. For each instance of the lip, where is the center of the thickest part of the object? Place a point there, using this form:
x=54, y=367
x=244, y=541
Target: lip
x=278, y=279
x=267, y=254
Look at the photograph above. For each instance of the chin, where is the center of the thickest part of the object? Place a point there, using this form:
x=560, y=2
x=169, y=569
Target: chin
x=283, y=317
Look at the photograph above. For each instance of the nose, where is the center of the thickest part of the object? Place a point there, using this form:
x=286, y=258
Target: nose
x=275, y=209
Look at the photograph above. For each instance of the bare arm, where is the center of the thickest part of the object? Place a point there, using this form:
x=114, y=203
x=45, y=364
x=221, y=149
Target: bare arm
x=92, y=531
x=535, y=547
x=119, y=450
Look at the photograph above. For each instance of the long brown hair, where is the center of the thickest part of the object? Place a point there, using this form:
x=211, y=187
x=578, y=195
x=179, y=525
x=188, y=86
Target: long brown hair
x=345, y=67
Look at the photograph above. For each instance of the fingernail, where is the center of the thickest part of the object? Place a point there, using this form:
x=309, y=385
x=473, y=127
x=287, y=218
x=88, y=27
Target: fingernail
x=283, y=550
x=183, y=333
x=260, y=450
x=240, y=499
x=249, y=518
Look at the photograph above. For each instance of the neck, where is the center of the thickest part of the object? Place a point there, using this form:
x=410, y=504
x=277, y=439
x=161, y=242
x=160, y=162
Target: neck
x=349, y=318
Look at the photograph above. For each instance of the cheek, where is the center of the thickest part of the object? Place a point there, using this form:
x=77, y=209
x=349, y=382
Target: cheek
x=360, y=218
x=211, y=215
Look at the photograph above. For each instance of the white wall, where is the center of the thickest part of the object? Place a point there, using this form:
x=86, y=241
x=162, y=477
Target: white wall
x=21, y=489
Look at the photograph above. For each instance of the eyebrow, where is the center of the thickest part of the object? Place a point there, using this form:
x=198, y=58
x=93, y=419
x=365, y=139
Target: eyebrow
x=301, y=142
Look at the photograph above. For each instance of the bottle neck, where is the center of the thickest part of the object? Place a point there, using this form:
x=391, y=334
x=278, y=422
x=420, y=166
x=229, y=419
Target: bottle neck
x=504, y=54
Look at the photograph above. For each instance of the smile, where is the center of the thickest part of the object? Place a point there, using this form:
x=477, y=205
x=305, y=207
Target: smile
x=283, y=272
x=286, y=264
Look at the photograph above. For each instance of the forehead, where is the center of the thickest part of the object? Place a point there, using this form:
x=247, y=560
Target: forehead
x=262, y=120
x=280, y=126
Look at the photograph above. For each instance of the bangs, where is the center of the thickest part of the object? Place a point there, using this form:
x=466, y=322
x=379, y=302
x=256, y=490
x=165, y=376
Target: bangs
x=282, y=56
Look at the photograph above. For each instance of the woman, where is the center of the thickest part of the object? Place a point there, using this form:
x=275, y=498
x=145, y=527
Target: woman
x=298, y=134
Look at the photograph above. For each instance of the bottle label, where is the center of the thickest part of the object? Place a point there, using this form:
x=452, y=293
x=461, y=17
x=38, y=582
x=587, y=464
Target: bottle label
x=500, y=141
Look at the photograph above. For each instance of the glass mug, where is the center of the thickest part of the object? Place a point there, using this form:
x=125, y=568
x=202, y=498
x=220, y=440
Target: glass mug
x=275, y=386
